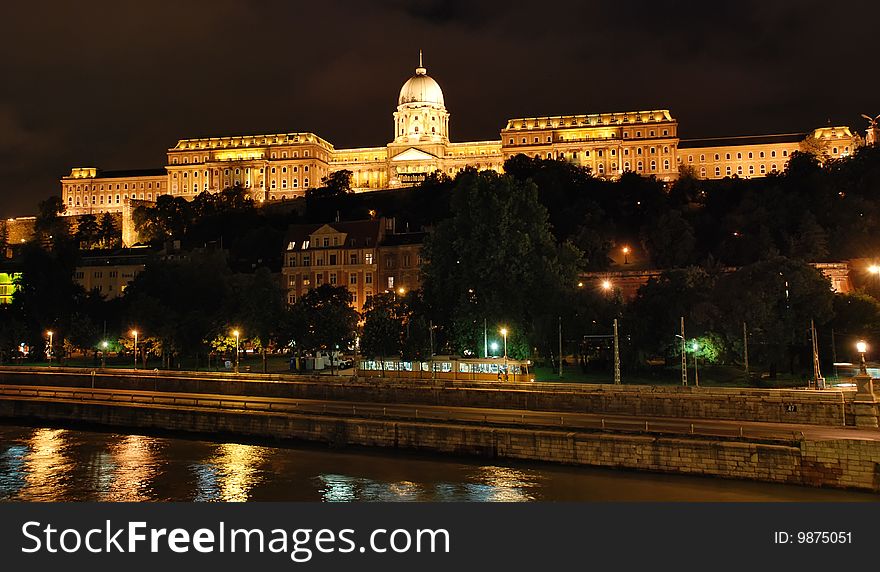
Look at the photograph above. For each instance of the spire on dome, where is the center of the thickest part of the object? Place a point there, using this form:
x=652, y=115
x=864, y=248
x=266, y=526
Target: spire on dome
x=421, y=69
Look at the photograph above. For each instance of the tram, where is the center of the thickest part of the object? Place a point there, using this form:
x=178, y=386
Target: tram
x=450, y=368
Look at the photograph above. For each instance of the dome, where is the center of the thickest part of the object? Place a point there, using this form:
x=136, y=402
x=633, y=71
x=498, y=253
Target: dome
x=421, y=88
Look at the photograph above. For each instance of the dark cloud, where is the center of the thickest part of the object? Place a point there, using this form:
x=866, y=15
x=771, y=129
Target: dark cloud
x=115, y=84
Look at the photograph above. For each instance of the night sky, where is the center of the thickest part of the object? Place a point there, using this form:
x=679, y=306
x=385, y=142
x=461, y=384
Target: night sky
x=113, y=84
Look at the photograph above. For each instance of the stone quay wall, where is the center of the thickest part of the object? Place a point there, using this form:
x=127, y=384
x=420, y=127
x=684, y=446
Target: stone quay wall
x=850, y=464
x=826, y=407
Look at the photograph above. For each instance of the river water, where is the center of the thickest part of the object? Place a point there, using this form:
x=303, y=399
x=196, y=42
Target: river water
x=58, y=464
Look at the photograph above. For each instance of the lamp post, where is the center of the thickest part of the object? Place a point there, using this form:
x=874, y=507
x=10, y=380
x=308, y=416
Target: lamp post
x=236, y=334
x=135, y=334
x=103, y=354
x=606, y=285
x=695, y=346
x=862, y=347
x=504, y=335
x=50, y=333
x=625, y=255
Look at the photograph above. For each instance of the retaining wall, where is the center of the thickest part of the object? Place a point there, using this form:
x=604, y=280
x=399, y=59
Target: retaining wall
x=827, y=407
x=838, y=463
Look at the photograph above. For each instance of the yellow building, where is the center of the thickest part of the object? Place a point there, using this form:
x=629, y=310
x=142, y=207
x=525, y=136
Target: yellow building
x=110, y=273
x=366, y=256
x=282, y=166
x=758, y=156
x=8, y=285
x=643, y=142
x=88, y=190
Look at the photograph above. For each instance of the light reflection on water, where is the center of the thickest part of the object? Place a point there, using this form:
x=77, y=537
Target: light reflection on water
x=132, y=462
x=45, y=464
x=230, y=474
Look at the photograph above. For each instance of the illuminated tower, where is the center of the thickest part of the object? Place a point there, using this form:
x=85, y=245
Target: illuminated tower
x=421, y=116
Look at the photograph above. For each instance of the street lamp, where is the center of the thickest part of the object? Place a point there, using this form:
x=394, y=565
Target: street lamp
x=104, y=354
x=236, y=334
x=50, y=333
x=135, y=334
x=875, y=269
x=494, y=347
x=504, y=334
x=401, y=290
x=606, y=285
x=625, y=255
x=862, y=347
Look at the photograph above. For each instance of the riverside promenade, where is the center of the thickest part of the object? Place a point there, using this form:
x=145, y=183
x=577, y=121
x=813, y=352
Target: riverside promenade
x=786, y=436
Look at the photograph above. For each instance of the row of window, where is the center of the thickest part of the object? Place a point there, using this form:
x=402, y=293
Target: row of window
x=206, y=158
x=78, y=188
x=99, y=199
x=626, y=135
x=739, y=170
x=331, y=259
x=333, y=279
x=247, y=171
x=739, y=155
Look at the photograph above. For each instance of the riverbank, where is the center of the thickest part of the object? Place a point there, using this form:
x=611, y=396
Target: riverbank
x=850, y=463
x=75, y=463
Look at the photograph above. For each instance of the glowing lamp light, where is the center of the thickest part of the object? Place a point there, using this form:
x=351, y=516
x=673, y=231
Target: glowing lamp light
x=695, y=346
x=401, y=291
x=494, y=346
x=626, y=250
x=235, y=333
x=503, y=331
x=861, y=346
x=874, y=269
x=606, y=285
x=104, y=344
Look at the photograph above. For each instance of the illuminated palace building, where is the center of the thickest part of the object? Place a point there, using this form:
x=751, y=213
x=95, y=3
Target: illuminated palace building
x=283, y=166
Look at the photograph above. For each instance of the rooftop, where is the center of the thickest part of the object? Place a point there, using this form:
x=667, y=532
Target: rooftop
x=741, y=140
x=359, y=234
x=654, y=116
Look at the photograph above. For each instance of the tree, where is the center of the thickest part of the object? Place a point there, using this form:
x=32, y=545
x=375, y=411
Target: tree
x=669, y=240
x=494, y=260
x=108, y=234
x=187, y=314
x=47, y=295
x=257, y=305
x=50, y=229
x=87, y=231
x=382, y=327
x=333, y=197
x=328, y=320
x=777, y=298
x=810, y=242
x=856, y=315
x=654, y=316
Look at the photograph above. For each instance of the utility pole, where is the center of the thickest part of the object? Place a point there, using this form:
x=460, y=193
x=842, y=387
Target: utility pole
x=616, y=355
x=431, y=338
x=560, y=347
x=817, y=374
x=684, y=364
x=746, y=350
x=485, y=340
x=834, y=355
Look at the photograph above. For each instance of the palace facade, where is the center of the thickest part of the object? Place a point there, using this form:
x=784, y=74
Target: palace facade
x=283, y=166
